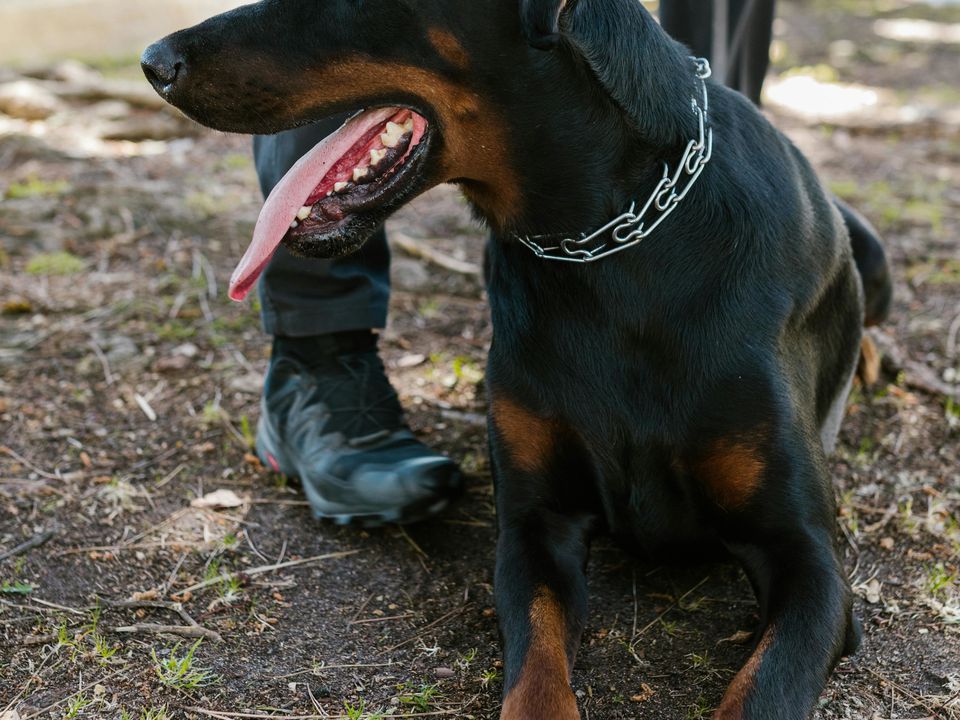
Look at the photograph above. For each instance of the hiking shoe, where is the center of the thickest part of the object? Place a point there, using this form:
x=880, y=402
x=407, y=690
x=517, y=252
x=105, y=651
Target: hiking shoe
x=330, y=417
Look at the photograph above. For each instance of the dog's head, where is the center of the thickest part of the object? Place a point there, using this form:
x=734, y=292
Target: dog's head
x=470, y=92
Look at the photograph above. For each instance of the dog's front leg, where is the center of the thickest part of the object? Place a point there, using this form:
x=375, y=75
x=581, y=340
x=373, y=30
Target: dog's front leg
x=542, y=547
x=778, y=520
x=541, y=593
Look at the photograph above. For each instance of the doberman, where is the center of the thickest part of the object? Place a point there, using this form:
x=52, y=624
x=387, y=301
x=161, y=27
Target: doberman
x=683, y=394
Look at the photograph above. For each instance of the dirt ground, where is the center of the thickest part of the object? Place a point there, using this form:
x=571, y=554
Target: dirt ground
x=129, y=387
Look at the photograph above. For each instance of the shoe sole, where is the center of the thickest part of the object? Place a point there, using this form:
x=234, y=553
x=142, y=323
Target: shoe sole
x=340, y=514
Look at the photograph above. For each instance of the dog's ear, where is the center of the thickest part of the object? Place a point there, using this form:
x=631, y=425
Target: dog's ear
x=644, y=71
x=541, y=22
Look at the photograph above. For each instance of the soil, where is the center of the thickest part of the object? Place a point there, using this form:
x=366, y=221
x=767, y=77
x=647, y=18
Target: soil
x=129, y=385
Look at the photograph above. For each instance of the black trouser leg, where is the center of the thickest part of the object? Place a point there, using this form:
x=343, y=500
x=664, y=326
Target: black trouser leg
x=302, y=297
x=749, y=28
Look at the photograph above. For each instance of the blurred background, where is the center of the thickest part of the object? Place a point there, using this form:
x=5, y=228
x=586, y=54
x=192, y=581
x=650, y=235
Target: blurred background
x=129, y=387
x=43, y=30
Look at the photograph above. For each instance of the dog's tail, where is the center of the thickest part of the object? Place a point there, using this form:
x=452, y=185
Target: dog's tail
x=871, y=263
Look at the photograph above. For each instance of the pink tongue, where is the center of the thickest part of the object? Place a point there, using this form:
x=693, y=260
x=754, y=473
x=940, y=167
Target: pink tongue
x=292, y=192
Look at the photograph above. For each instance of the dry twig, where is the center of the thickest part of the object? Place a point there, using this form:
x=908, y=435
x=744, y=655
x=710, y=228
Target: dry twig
x=34, y=542
x=188, y=631
x=421, y=249
x=266, y=569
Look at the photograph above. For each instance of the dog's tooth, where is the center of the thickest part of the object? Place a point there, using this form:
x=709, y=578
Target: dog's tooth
x=304, y=212
x=360, y=173
x=392, y=136
x=408, y=125
x=340, y=186
x=376, y=156
x=294, y=225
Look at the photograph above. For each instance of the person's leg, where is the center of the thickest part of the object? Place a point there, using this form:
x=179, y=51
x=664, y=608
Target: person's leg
x=329, y=414
x=742, y=62
x=300, y=297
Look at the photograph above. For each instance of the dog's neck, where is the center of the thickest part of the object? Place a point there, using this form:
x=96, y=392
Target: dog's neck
x=597, y=117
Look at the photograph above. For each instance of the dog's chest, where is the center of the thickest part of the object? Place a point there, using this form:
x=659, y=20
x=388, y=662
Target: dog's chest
x=649, y=500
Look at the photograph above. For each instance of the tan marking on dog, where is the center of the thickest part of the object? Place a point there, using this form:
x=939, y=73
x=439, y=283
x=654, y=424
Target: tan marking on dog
x=731, y=707
x=868, y=368
x=530, y=440
x=475, y=139
x=449, y=48
x=543, y=690
x=732, y=470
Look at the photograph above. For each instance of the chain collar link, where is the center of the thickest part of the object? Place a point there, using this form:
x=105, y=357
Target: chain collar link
x=633, y=227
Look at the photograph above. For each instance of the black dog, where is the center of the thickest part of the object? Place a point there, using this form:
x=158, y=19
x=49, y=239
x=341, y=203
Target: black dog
x=682, y=394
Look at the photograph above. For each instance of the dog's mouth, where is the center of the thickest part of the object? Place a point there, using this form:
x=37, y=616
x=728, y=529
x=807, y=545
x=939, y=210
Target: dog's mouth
x=336, y=195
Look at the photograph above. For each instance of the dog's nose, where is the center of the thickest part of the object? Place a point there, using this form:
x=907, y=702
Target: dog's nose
x=163, y=65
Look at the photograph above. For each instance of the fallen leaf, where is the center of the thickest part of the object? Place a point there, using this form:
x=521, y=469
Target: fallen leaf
x=218, y=499
x=646, y=693
x=16, y=306
x=740, y=637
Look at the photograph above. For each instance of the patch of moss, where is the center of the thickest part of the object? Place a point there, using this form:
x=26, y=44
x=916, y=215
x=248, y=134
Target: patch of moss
x=35, y=187
x=845, y=189
x=58, y=263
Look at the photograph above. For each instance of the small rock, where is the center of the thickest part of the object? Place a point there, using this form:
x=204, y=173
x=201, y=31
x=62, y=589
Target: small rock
x=187, y=350
x=886, y=543
x=10, y=715
x=409, y=275
x=27, y=100
x=120, y=348
x=411, y=360
x=175, y=363
x=444, y=672
x=251, y=383
x=873, y=592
